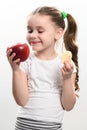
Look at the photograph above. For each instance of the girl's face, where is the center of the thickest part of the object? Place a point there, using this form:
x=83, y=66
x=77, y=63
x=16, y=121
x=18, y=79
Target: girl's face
x=42, y=32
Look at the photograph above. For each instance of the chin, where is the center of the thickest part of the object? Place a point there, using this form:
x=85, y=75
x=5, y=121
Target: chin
x=35, y=48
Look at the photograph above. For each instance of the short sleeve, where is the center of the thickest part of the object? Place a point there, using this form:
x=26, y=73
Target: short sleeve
x=25, y=66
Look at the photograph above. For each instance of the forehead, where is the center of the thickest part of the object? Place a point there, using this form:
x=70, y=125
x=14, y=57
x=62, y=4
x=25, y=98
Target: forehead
x=39, y=20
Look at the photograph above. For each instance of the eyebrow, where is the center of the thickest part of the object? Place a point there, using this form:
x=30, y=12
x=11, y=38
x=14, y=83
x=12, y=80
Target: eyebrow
x=36, y=27
x=28, y=27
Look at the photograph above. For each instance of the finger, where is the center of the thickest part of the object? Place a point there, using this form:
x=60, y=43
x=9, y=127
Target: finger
x=68, y=65
x=17, y=61
x=64, y=69
x=9, y=51
x=12, y=56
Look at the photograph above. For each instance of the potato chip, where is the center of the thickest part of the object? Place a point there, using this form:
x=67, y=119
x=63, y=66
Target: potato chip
x=66, y=56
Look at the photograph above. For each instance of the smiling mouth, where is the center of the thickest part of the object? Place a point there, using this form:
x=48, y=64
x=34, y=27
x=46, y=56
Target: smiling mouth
x=35, y=42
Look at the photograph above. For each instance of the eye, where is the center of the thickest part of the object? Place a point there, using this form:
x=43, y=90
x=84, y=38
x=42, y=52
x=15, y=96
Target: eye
x=29, y=30
x=40, y=31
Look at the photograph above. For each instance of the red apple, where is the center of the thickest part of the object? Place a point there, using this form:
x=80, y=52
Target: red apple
x=22, y=51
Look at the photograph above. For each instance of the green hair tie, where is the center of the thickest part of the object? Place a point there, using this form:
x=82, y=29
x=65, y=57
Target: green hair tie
x=64, y=15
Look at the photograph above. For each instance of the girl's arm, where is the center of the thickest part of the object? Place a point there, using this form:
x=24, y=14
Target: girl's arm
x=68, y=97
x=19, y=80
x=20, y=87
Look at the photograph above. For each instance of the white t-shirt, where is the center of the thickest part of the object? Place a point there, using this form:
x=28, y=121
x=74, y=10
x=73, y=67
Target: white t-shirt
x=45, y=86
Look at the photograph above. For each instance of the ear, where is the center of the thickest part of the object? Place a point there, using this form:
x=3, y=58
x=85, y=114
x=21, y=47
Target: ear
x=59, y=33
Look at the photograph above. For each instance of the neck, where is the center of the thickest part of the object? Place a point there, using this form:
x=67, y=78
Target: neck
x=46, y=55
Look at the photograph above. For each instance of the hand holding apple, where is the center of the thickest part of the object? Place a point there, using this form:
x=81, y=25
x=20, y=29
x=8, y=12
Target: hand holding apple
x=22, y=51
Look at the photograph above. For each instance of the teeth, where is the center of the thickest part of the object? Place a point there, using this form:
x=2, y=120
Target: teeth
x=66, y=56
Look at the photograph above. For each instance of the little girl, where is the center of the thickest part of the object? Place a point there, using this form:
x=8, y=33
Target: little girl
x=43, y=86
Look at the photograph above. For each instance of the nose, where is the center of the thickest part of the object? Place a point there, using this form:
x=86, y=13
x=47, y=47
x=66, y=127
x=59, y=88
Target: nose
x=33, y=34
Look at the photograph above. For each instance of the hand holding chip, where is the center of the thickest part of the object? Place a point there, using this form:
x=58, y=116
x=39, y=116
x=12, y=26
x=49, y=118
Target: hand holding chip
x=67, y=68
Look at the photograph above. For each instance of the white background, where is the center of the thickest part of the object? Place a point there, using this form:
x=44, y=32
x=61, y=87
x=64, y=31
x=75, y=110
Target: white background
x=13, y=15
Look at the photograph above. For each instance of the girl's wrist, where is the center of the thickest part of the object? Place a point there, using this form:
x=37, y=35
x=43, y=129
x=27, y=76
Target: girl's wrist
x=15, y=69
x=68, y=77
x=67, y=80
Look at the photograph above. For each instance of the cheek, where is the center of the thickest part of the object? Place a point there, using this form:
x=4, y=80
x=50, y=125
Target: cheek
x=28, y=38
x=51, y=36
x=50, y=39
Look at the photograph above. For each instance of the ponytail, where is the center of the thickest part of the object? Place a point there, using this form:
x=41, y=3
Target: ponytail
x=70, y=44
